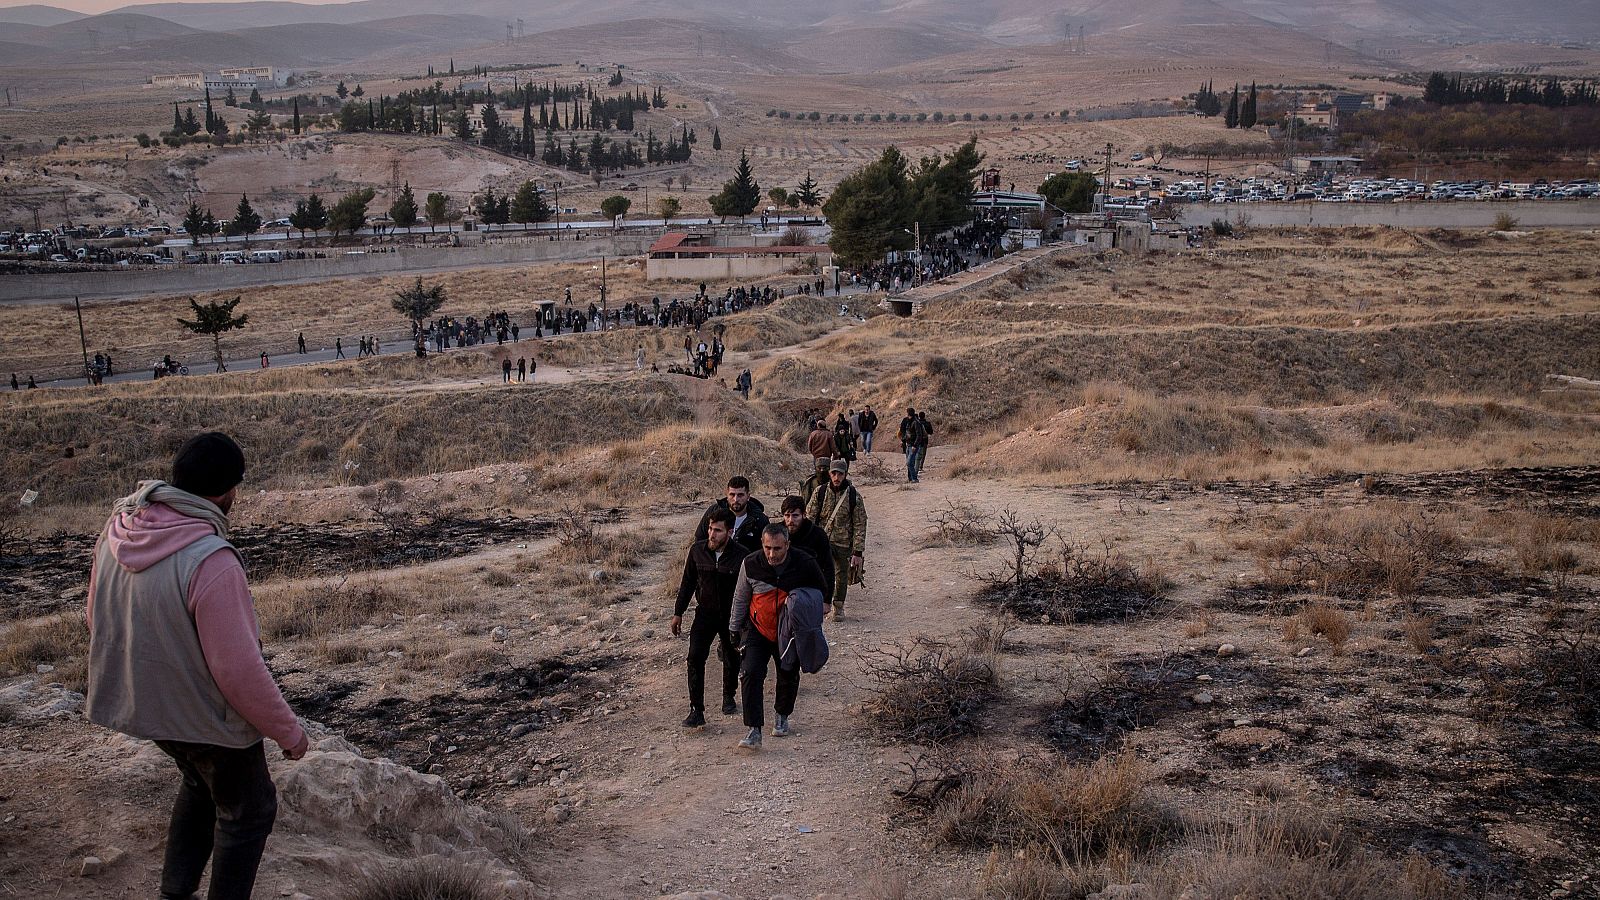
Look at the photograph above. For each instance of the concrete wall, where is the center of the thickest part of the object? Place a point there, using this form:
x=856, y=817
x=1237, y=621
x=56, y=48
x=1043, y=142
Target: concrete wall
x=725, y=268
x=183, y=279
x=1440, y=214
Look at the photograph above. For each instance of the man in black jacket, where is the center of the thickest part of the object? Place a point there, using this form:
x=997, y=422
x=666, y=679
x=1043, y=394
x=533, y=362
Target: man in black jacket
x=805, y=534
x=869, y=427
x=749, y=516
x=765, y=581
x=710, y=573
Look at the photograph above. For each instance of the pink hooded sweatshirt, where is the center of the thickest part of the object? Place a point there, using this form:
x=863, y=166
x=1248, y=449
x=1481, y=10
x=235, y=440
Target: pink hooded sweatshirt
x=224, y=615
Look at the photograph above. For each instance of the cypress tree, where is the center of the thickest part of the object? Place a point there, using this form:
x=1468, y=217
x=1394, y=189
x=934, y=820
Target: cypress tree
x=716, y=138
x=1247, y=115
x=1232, y=117
x=177, y=120
x=296, y=115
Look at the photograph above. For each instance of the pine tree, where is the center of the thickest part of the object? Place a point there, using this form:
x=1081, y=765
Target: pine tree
x=528, y=205
x=807, y=194
x=297, y=115
x=741, y=194
x=342, y=91
x=350, y=213
x=493, y=132
x=246, y=220
x=463, y=126
x=404, y=209
x=194, y=223
x=216, y=319
x=359, y=91
x=191, y=125
x=870, y=210
x=1247, y=115
x=230, y=100
x=1231, y=119
x=438, y=209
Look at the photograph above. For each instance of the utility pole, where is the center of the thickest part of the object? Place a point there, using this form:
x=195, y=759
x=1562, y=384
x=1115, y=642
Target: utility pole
x=1105, y=190
x=83, y=342
x=603, y=318
x=916, y=271
x=1294, y=119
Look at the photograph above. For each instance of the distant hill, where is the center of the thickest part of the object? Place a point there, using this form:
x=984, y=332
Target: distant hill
x=1024, y=21
x=37, y=14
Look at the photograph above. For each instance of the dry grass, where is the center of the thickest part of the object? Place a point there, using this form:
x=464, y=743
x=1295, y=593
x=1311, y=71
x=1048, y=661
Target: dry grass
x=1328, y=622
x=289, y=611
x=1386, y=547
x=60, y=641
x=1081, y=814
x=681, y=462
x=434, y=878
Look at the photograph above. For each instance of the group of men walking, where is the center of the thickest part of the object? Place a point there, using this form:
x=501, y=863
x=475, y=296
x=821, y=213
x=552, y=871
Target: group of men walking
x=762, y=590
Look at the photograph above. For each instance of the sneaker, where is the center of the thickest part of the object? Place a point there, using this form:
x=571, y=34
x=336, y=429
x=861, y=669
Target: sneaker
x=697, y=719
x=781, y=729
x=752, y=741
x=729, y=707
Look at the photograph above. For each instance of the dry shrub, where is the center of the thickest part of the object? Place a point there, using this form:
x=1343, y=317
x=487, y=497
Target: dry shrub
x=1327, y=621
x=1081, y=813
x=426, y=879
x=928, y=692
x=1288, y=851
x=1357, y=552
x=1418, y=631
x=988, y=638
x=1553, y=672
x=61, y=641
x=675, y=461
x=958, y=524
x=1205, y=619
x=464, y=661
x=1542, y=544
x=1078, y=585
x=498, y=577
x=290, y=611
x=342, y=653
x=579, y=542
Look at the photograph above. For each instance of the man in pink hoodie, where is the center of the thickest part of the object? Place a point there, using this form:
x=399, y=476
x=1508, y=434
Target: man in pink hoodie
x=175, y=658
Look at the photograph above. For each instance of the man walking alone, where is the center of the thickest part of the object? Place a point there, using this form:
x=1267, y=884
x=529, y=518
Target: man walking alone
x=710, y=573
x=837, y=509
x=765, y=581
x=175, y=658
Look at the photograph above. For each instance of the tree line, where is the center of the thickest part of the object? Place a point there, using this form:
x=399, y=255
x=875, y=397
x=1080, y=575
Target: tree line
x=1453, y=90
x=1240, y=111
x=876, y=209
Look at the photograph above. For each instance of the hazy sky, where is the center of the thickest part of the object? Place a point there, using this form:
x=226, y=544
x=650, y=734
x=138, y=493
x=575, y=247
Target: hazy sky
x=100, y=6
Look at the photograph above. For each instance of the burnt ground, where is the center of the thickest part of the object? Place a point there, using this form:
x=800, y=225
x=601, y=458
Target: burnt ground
x=1432, y=752
x=471, y=736
x=45, y=575
x=1561, y=490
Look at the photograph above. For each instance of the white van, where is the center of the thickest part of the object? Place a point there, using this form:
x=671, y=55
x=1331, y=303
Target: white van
x=231, y=257
x=265, y=256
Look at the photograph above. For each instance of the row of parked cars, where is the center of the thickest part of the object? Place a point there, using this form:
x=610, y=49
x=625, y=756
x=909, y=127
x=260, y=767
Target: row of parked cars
x=1373, y=190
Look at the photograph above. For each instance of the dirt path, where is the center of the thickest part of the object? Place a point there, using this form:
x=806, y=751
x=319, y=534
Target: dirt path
x=809, y=814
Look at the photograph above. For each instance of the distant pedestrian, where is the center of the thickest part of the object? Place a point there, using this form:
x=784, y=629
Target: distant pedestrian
x=31, y=383
x=300, y=339
x=505, y=369
x=522, y=369
x=338, y=348
x=638, y=358
x=533, y=368
x=911, y=438
x=14, y=385
x=265, y=362
x=869, y=427
x=516, y=332
x=927, y=436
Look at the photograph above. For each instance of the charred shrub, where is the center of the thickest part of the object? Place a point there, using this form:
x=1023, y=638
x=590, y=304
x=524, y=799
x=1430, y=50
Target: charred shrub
x=928, y=692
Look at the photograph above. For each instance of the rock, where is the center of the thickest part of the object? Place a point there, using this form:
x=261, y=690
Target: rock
x=557, y=814
x=1227, y=650
x=518, y=730
x=1304, y=651
x=44, y=669
x=1243, y=723
x=498, y=634
x=1203, y=699
x=90, y=867
x=599, y=576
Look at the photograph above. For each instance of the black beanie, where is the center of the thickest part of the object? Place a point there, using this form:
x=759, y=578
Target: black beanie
x=208, y=465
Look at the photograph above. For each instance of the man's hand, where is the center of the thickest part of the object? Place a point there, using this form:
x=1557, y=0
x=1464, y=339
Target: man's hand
x=677, y=624
x=298, y=750
x=855, y=560
x=827, y=610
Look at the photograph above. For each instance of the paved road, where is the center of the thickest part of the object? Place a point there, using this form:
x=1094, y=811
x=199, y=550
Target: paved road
x=390, y=344
x=564, y=225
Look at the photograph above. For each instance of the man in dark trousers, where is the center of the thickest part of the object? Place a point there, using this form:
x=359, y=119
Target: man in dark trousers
x=300, y=341
x=869, y=427
x=765, y=580
x=749, y=516
x=709, y=574
x=175, y=658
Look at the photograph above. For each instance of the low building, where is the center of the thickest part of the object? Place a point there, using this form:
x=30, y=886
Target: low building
x=269, y=74
x=246, y=77
x=1317, y=166
x=194, y=80
x=1325, y=115
x=684, y=256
